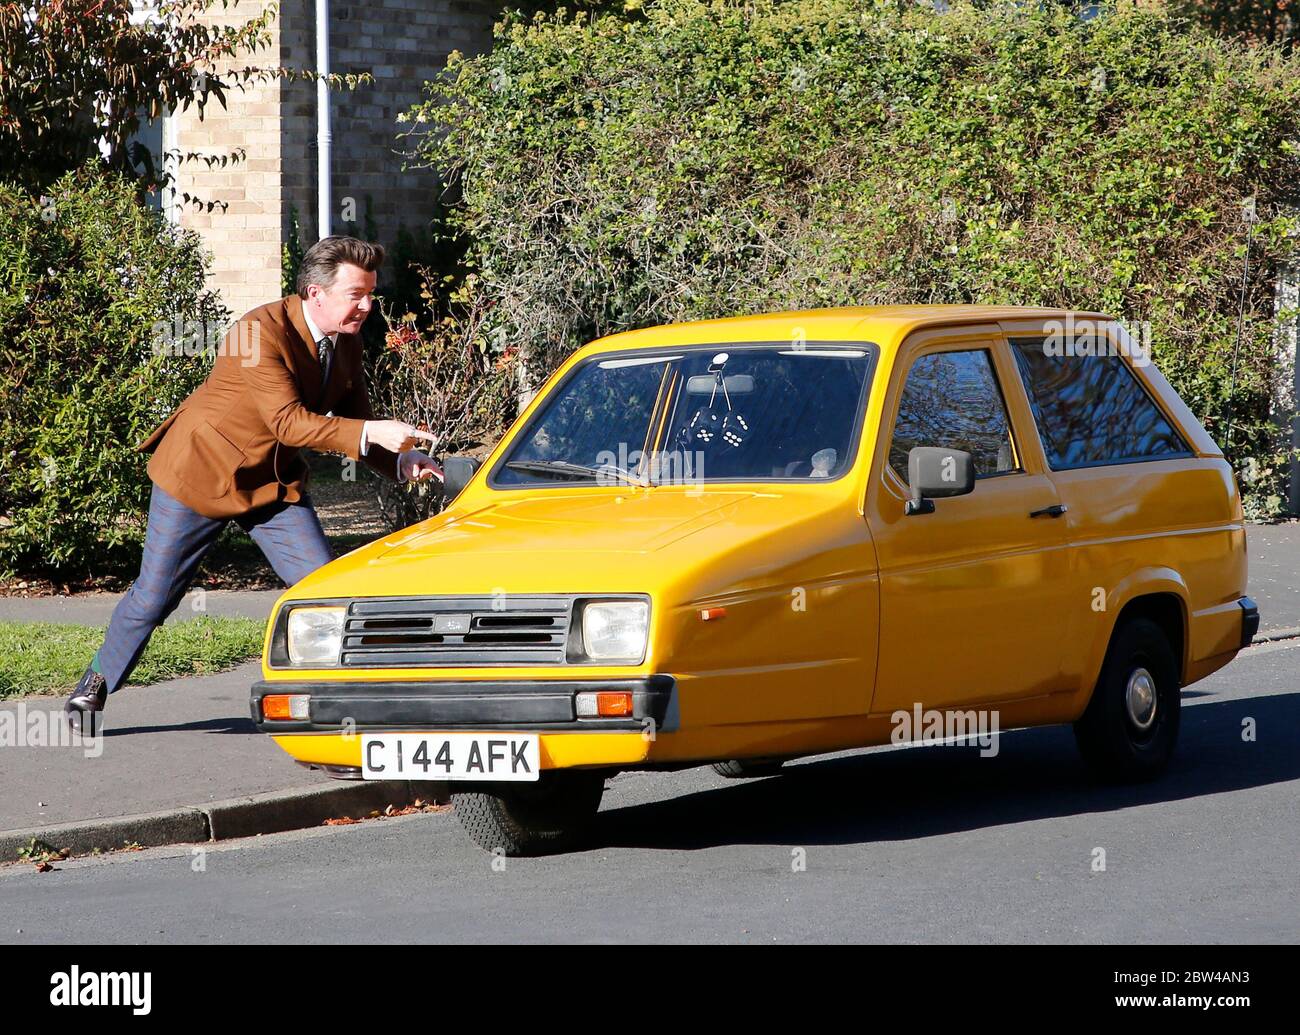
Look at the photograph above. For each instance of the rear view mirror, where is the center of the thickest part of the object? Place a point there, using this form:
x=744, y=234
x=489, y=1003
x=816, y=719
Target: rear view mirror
x=933, y=473
x=736, y=384
x=457, y=472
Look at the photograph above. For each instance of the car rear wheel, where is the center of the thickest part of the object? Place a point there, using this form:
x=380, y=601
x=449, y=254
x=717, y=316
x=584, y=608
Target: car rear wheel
x=747, y=769
x=547, y=815
x=1131, y=724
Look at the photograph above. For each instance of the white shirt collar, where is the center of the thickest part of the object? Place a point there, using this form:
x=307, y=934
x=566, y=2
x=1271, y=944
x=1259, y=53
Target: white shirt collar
x=316, y=332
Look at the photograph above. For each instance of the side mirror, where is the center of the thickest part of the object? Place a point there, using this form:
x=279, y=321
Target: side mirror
x=933, y=473
x=457, y=472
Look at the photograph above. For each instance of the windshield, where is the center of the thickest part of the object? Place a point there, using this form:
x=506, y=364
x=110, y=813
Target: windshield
x=720, y=413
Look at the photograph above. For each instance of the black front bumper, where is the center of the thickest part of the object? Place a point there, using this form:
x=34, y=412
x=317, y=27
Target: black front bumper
x=542, y=705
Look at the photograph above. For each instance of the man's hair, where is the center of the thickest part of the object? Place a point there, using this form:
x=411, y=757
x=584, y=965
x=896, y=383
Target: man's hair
x=323, y=259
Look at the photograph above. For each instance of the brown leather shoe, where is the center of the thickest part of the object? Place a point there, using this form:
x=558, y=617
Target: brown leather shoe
x=87, y=703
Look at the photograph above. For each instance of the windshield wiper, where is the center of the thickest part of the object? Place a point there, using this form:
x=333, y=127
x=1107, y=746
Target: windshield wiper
x=580, y=470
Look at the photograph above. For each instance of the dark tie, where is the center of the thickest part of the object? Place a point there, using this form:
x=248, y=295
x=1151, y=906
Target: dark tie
x=325, y=353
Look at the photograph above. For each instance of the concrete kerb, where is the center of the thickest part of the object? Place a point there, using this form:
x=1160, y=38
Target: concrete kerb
x=1271, y=635
x=267, y=813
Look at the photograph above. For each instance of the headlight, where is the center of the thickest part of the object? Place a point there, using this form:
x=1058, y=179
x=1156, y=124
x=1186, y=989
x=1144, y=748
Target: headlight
x=315, y=635
x=615, y=629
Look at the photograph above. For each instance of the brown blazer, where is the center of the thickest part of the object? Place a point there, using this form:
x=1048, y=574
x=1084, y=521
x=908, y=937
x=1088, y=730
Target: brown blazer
x=234, y=444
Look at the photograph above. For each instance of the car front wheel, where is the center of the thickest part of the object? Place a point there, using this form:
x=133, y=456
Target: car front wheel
x=547, y=815
x=1130, y=727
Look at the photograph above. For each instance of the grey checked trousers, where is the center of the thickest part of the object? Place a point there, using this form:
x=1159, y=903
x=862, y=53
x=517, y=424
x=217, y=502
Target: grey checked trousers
x=289, y=534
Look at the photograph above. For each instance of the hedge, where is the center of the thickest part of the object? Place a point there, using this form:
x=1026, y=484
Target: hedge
x=105, y=325
x=700, y=158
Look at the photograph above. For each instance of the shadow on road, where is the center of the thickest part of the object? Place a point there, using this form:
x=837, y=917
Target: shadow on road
x=222, y=724
x=926, y=791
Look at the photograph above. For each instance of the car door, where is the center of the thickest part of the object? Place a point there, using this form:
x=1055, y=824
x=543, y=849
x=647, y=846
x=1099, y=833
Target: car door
x=1144, y=509
x=972, y=594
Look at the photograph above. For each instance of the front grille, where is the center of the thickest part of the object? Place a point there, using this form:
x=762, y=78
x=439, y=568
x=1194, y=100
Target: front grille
x=452, y=631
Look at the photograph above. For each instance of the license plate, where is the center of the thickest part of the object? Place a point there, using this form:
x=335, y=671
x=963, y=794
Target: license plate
x=450, y=756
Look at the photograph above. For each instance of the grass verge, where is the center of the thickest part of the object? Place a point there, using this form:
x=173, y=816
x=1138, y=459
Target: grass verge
x=49, y=657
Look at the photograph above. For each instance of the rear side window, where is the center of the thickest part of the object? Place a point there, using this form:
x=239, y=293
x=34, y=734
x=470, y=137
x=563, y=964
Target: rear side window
x=1091, y=410
x=953, y=399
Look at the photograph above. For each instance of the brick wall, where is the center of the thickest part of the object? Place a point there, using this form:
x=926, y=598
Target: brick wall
x=402, y=43
x=244, y=238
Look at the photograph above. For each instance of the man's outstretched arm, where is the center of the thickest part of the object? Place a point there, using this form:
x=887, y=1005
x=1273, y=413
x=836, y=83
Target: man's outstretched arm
x=275, y=394
x=398, y=464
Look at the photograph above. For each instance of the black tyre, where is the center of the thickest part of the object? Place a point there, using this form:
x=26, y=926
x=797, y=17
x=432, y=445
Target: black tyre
x=1131, y=725
x=531, y=818
x=743, y=769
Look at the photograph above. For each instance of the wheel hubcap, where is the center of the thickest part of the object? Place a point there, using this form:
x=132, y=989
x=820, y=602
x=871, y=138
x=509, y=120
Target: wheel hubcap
x=1141, y=698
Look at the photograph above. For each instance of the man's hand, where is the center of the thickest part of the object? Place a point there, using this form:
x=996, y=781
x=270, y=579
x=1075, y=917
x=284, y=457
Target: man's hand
x=395, y=435
x=414, y=466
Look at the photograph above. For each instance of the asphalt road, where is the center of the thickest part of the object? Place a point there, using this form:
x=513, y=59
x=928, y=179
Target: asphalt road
x=924, y=844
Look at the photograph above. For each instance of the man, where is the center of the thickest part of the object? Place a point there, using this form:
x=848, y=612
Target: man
x=289, y=375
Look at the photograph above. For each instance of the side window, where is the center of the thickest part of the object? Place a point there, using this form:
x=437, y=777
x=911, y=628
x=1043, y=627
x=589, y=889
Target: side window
x=953, y=399
x=1091, y=410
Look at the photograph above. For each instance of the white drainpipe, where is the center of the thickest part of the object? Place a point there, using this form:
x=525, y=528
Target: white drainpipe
x=324, y=196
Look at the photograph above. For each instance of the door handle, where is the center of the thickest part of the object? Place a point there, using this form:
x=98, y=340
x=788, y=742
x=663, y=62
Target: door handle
x=1055, y=510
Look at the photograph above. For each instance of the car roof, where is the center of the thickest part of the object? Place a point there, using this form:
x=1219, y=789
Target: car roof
x=883, y=325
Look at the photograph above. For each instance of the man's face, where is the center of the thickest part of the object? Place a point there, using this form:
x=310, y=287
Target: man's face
x=342, y=307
